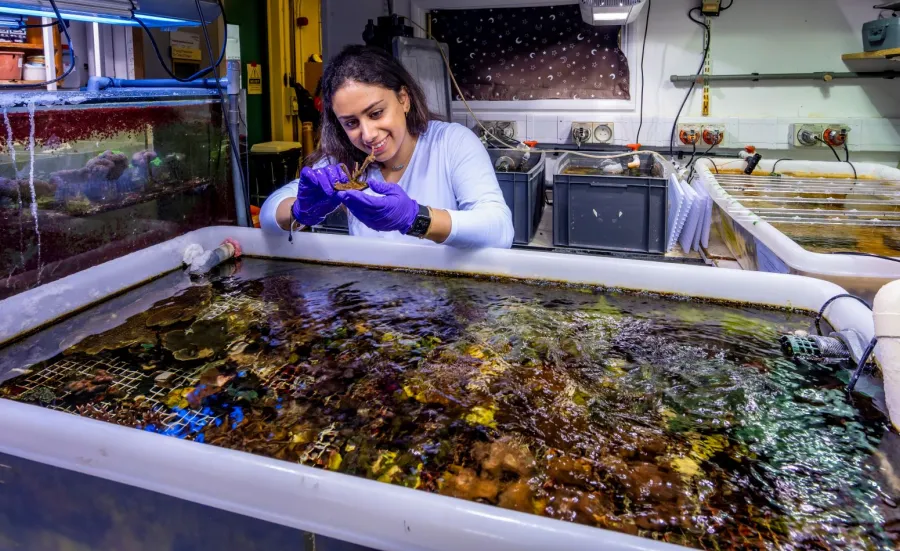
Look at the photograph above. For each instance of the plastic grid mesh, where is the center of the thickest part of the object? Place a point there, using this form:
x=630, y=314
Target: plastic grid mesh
x=126, y=379
x=223, y=305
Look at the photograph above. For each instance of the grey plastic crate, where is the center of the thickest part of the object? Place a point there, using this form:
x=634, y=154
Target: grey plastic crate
x=522, y=188
x=606, y=212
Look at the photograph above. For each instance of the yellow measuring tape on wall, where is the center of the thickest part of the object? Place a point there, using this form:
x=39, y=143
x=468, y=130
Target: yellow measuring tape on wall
x=707, y=70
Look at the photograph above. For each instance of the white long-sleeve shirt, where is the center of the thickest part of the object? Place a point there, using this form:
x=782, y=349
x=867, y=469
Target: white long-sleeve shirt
x=451, y=170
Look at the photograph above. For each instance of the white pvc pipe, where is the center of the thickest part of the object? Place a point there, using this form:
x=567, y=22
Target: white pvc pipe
x=49, y=53
x=886, y=314
x=344, y=507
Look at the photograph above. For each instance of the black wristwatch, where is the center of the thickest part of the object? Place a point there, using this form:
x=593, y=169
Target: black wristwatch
x=421, y=223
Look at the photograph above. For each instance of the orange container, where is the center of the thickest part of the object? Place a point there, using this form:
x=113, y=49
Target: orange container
x=11, y=65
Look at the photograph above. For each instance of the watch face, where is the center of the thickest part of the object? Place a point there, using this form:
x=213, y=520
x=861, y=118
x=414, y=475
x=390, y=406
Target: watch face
x=421, y=223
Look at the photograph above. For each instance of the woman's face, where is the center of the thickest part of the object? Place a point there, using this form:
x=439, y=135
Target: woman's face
x=373, y=117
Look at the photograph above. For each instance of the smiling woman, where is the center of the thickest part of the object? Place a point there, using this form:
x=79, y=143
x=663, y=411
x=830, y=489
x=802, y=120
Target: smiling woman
x=446, y=190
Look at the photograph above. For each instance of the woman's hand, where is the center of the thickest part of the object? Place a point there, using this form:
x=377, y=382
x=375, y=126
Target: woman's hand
x=316, y=197
x=391, y=210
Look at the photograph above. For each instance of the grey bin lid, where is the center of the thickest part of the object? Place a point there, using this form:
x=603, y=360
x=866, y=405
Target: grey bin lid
x=425, y=63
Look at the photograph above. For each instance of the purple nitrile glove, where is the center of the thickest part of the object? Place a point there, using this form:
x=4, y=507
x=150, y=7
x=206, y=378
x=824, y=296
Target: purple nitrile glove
x=316, y=198
x=390, y=211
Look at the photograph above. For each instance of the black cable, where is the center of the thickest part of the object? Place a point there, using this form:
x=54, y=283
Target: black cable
x=693, y=164
x=693, y=154
x=838, y=157
x=65, y=30
x=828, y=303
x=708, y=37
x=847, y=160
x=861, y=366
x=776, y=164
x=637, y=139
x=234, y=143
x=871, y=255
x=160, y=57
x=710, y=159
x=833, y=150
x=723, y=8
x=23, y=25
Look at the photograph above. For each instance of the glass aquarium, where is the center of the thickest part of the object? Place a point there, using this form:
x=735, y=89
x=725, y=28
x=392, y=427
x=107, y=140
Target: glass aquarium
x=85, y=178
x=673, y=419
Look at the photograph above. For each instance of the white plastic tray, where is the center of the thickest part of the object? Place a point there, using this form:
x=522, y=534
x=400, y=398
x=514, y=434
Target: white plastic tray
x=856, y=273
x=341, y=506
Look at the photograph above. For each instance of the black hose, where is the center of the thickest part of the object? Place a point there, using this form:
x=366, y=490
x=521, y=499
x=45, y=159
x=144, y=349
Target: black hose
x=838, y=157
x=703, y=156
x=201, y=72
x=828, y=303
x=861, y=366
x=776, y=164
x=708, y=38
x=637, y=138
x=234, y=143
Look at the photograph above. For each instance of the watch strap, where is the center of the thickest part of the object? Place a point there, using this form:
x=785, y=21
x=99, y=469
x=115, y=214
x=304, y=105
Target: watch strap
x=421, y=224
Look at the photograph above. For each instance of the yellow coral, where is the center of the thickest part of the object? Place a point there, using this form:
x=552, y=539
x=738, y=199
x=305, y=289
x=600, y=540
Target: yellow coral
x=334, y=462
x=178, y=397
x=482, y=416
x=704, y=447
x=389, y=475
x=686, y=466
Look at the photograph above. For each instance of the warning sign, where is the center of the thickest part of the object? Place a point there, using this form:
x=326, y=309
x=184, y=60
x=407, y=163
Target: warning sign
x=254, y=79
x=186, y=54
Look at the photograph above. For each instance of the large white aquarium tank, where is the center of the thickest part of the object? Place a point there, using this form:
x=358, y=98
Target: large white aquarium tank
x=403, y=397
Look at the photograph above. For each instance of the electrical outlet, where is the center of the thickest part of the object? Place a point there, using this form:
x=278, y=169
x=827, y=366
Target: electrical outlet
x=582, y=132
x=689, y=134
x=504, y=130
x=604, y=132
x=820, y=135
x=713, y=134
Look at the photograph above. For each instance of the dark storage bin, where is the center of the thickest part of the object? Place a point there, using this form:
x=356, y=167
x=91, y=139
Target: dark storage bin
x=599, y=211
x=522, y=186
x=272, y=165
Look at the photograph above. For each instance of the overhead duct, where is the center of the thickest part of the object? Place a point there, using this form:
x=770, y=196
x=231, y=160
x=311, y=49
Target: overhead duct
x=154, y=13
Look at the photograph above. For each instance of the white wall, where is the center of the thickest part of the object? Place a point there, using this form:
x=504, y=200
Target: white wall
x=765, y=36
x=343, y=21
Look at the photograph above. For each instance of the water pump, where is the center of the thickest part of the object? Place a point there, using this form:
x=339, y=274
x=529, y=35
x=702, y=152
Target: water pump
x=838, y=346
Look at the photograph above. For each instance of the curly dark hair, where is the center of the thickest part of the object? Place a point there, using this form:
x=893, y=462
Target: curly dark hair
x=366, y=65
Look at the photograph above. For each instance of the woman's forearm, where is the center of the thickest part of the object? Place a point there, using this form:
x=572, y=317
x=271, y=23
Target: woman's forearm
x=441, y=225
x=283, y=216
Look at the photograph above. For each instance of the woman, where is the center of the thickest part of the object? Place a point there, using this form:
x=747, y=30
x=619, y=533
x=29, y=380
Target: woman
x=445, y=191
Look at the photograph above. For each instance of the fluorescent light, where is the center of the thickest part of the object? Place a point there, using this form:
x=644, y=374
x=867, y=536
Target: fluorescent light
x=159, y=19
x=153, y=20
x=610, y=15
x=67, y=15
